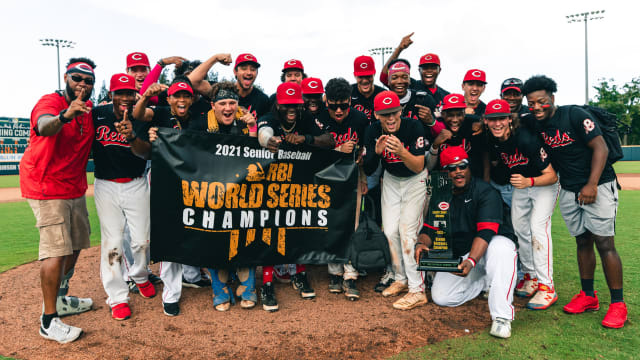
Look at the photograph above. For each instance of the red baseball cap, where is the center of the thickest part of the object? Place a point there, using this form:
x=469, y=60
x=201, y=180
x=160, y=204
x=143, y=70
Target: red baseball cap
x=496, y=109
x=364, y=66
x=453, y=101
x=246, y=58
x=475, y=75
x=293, y=64
x=452, y=154
x=122, y=82
x=137, y=59
x=312, y=86
x=179, y=86
x=386, y=102
x=429, y=59
x=289, y=93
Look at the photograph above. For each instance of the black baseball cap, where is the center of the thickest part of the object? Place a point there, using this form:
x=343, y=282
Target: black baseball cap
x=511, y=83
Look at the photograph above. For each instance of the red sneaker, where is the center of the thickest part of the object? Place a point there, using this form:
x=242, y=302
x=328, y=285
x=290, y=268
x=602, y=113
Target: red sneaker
x=146, y=289
x=581, y=303
x=121, y=311
x=616, y=316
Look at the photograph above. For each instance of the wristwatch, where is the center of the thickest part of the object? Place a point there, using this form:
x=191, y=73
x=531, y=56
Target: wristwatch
x=63, y=119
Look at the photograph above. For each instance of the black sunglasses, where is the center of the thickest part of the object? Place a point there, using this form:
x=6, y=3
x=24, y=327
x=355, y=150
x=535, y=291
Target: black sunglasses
x=452, y=167
x=77, y=78
x=343, y=106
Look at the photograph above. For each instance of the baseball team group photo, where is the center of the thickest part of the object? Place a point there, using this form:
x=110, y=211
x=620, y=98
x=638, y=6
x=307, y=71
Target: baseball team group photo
x=182, y=209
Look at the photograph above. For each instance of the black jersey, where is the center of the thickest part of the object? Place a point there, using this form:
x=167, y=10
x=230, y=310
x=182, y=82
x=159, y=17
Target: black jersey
x=362, y=103
x=477, y=212
x=256, y=102
x=351, y=128
x=522, y=153
x=437, y=93
x=566, y=136
x=112, y=153
x=410, y=134
x=304, y=126
x=162, y=117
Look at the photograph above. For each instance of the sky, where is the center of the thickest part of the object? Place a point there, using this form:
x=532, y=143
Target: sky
x=504, y=38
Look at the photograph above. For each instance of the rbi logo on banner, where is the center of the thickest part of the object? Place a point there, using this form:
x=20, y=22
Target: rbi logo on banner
x=444, y=206
x=476, y=73
x=290, y=92
x=588, y=125
x=123, y=79
x=136, y=56
x=313, y=84
x=387, y=101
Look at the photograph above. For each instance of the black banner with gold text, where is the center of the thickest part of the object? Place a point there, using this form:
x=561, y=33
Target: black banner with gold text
x=223, y=200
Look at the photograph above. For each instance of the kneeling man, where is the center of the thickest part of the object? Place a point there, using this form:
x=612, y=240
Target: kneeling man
x=482, y=234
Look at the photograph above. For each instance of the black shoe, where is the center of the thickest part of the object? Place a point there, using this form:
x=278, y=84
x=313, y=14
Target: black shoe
x=196, y=285
x=155, y=279
x=301, y=283
x=268, y=298
x=132, y=287
x=385, y=281
x=335, y=284
x=350, y=290
x=171, y=309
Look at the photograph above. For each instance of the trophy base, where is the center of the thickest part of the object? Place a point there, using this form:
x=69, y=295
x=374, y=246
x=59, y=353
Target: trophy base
x=446, y=265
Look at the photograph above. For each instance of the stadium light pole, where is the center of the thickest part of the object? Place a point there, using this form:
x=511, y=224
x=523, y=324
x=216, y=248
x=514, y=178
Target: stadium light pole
x=586, y=17
x=58, y=43
x=381, y=51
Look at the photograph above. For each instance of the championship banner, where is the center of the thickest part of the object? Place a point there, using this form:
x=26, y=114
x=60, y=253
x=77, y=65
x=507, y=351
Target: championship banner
x=14, y=133
x=223, y=200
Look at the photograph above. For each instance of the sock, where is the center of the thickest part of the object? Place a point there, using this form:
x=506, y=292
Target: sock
x=46, y=319
x=616, y=295
x=300, y=268
x=267, y=274
x=587, y=286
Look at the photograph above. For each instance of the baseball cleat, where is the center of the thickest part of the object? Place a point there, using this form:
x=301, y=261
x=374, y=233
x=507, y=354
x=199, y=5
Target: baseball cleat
x=203, y=282
x=410, y=301
x=71, y=305
x=581, y=303
x=385, y=281
x=544, y=297
x=60, y=331
x=268, y=298
x=300, y=282
x=335, y=284
x=501, y=328
x=350, y=290
x=616, y=316
x=121, y=311
x=171, y=309
x=395, y=289
x=527, y=286
x=147, y=289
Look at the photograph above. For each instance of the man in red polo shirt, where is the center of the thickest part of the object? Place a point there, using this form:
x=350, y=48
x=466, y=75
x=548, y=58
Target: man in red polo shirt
x=53, y=179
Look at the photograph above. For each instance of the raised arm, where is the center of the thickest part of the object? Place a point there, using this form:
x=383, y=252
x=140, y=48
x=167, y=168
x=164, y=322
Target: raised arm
x=198, y=74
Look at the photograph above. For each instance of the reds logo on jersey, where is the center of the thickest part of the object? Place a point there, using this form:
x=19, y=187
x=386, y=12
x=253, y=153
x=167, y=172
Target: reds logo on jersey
x=557, y=140
x=516, y=159
x=108, y=137
x=343, y=138
x=390, y=157
x=362, y=109
x=588, y=125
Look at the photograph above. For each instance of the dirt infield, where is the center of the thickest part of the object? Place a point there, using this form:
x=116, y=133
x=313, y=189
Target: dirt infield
x=328, y=327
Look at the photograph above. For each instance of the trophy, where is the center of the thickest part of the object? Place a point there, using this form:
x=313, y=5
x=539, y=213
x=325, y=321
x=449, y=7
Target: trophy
x=440, y=256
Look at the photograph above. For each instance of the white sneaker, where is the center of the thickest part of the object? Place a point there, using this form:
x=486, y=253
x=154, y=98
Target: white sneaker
x=60, y=331
x=501, y=328
x=70, y=305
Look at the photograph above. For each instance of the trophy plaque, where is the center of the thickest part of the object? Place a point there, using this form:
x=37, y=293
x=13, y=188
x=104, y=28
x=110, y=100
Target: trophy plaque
x=440, y=256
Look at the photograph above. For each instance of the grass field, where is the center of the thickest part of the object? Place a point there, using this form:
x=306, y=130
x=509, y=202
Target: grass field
x=549, y=334
x=621, y=167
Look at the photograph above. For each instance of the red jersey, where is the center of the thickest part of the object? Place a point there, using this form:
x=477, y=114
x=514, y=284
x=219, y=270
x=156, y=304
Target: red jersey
x=54, y=167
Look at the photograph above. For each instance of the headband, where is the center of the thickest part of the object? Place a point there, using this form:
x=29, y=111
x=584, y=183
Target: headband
x=80, y=67
x=399, y=66
x=224, y=94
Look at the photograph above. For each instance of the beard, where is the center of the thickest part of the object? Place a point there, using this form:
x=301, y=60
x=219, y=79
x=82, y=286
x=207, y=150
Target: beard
x=72, y=94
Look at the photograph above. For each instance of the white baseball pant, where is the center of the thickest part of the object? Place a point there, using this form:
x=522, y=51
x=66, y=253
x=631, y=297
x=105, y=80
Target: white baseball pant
x=117, y=203
x=403, y=201
x=496, y=268
x=531, y=212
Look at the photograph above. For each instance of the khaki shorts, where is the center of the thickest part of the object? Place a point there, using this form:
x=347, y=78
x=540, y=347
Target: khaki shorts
x=63, y=225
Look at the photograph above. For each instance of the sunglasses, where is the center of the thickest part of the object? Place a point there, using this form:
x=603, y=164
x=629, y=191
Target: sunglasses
x=461, y=167
x=343, y=106
x=78, y=79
